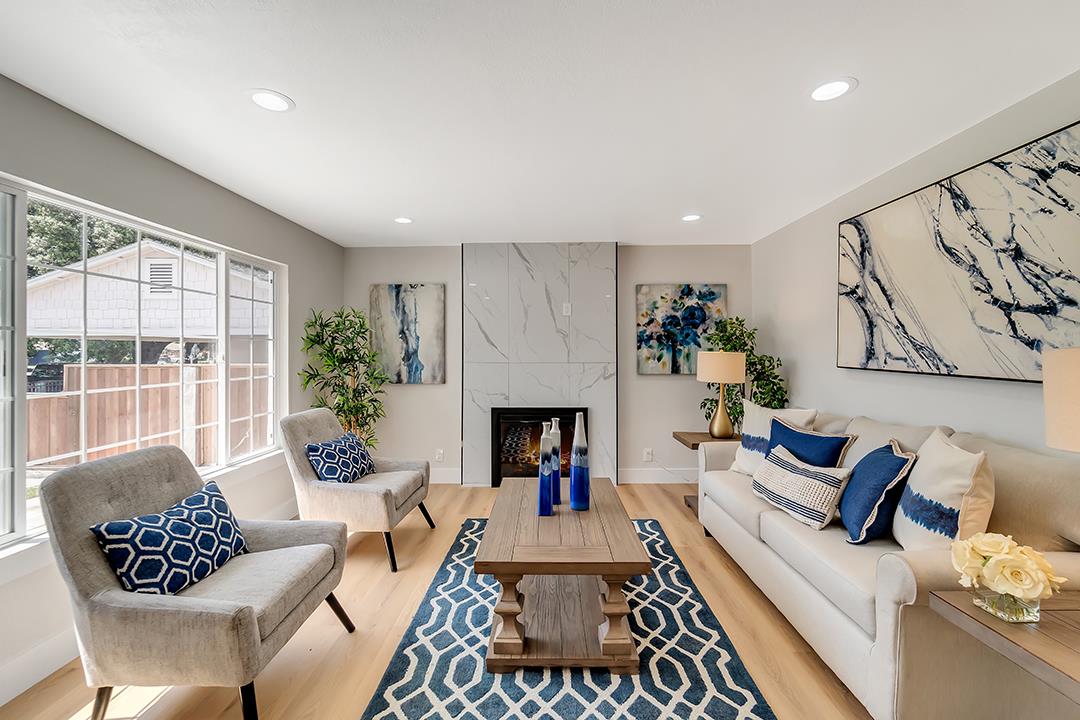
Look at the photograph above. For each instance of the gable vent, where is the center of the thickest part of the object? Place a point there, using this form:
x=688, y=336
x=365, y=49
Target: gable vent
x=160, y=273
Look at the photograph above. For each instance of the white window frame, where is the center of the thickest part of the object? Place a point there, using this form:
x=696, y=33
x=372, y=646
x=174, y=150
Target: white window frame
x=24, y=191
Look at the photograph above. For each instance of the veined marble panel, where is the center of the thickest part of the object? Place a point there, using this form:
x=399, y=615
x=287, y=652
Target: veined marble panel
x=486, y=322
x=540, y=384
x=539, y=286
x=484, y=385
x=594, y=386
x=592, y=296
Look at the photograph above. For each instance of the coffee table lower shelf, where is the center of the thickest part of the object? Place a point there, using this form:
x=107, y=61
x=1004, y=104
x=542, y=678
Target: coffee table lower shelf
x=564, y=626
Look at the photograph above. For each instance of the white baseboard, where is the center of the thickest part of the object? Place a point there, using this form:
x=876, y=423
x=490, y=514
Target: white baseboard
x=446, y=476
x=657, y=474
x=22, y=672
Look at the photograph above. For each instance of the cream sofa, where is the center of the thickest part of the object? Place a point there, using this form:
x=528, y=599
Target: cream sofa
x=863, y=608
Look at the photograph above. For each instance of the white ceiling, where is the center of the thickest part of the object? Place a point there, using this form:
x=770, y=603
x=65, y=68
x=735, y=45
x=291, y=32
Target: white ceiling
x=531, y=120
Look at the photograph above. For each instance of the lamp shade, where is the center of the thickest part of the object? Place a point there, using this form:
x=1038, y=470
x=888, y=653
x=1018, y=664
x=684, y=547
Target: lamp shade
x=1061, y=398
x=721, y=367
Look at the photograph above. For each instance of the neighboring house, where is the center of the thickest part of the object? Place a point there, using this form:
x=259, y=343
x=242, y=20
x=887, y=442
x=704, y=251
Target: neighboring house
x=55, y=299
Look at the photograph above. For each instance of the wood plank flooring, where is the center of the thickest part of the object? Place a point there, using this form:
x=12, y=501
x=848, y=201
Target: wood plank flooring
x=325, y=674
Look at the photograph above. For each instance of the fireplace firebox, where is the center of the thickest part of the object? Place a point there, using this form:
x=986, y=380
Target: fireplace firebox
x=515, y=439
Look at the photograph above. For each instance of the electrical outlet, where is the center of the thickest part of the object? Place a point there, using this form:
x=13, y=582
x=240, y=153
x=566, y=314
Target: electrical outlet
x=566, y=309
x=646, y=454
x=439, y=455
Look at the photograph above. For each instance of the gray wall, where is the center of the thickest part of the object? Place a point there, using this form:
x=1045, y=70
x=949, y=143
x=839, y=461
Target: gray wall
x=795, y=292
x=652, y=406
x=48, y=144
x=419, y=418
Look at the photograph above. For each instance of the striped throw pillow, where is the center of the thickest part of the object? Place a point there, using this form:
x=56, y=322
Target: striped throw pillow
x=807, y=493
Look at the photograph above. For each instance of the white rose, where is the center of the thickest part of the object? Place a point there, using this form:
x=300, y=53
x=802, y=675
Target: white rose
x=989, y=544
x=1016, y=575
x=1043, y=564
x=967, y=562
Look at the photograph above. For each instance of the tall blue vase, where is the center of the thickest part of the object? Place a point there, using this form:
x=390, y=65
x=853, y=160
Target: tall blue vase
x=579, y=467
x=556, y=462
x=543, y=495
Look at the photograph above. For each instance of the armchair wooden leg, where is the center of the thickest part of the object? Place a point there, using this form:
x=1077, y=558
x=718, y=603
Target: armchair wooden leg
x=390, y=551
x=101, y=703
x=340, y=612
x=247, y=702
x=427, y=516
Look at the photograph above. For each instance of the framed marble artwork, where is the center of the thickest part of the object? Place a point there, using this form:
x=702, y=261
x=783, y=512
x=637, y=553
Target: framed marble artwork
x=974, y=275
x=408, y=322
x=672, y=319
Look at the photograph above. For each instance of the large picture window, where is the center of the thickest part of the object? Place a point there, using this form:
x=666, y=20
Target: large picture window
x=136, y=338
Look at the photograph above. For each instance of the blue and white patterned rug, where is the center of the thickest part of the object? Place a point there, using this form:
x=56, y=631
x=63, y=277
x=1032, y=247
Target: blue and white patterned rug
x=689, y=668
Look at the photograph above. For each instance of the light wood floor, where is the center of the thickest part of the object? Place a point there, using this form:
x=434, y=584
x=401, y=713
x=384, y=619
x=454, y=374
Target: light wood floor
x=325, y=674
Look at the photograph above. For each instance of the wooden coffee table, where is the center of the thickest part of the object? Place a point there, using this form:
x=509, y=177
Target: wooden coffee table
x=562, y=603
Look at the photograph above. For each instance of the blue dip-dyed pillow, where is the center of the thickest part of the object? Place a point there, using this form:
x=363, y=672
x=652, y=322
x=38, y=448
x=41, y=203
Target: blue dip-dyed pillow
x=873, y=492
x=813, y=448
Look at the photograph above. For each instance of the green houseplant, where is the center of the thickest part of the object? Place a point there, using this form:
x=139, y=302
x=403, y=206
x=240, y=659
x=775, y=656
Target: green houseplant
x=766, y=387
x=343, y=370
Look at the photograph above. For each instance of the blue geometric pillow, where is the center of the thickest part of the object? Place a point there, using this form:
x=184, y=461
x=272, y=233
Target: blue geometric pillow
x=870, y=499
x=164, y=553
x=342, y=460
x=813, y=448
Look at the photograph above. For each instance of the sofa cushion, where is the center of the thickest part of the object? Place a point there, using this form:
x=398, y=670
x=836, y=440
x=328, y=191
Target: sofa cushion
x=732, y=492
x=402, y=483
x=873, y=492
x=344, y=459
x=272, y=582
x=842, y=572
x=872, y=434
x=1028, y=491
x=828, y=422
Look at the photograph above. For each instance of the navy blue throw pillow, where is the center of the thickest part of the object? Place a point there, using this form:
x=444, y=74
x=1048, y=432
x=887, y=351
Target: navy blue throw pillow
x=873, y=492
x=813, y=448
x=342, y=460
x=164, y=553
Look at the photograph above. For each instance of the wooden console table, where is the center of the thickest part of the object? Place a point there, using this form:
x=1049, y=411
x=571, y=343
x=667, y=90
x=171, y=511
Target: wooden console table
x=1048, y=649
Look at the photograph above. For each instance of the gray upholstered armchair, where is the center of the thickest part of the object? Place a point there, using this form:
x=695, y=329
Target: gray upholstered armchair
x=221, y=631
x=374, y=503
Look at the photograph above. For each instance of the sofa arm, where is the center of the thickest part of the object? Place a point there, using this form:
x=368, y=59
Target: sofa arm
x=263, y=535
x=385, y=465
x=144, y=639
x=906, y=578
x=715, y=456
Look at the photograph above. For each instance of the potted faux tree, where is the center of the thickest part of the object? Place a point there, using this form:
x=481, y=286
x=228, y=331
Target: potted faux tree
x=764, y=385
x=343, y=370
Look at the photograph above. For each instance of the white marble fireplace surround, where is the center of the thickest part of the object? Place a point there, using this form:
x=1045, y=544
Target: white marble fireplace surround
x=521, y=349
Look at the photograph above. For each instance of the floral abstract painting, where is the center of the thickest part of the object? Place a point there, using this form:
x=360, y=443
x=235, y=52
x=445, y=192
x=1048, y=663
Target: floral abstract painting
x=976, y=275
x=408, y=322
x=671, y=320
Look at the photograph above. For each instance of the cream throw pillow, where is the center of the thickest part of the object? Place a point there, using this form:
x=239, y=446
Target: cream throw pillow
x=756, y=428
x=949, y=495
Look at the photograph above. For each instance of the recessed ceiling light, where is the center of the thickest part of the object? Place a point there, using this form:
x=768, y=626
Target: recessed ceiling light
x=403, y=220
x=272, y=100
x=472, y=284
x=834, y=89
x=691, y=218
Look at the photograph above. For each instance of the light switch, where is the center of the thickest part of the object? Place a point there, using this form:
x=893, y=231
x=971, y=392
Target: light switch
x=566, y=309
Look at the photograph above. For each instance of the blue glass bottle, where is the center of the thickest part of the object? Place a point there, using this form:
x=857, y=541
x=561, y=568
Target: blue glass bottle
x=556, y=462
x=579, y=467
x=543, y=502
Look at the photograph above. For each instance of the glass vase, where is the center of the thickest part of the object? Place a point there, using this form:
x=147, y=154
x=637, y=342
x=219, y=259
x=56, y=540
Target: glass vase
x=1007, y=607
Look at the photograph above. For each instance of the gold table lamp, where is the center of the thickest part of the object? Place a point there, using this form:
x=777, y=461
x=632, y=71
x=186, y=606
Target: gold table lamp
x=725, y=368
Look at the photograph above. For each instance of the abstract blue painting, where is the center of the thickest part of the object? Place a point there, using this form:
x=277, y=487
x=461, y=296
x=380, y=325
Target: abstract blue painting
x=671, y=321
x=974, y=275
x=408, y=322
